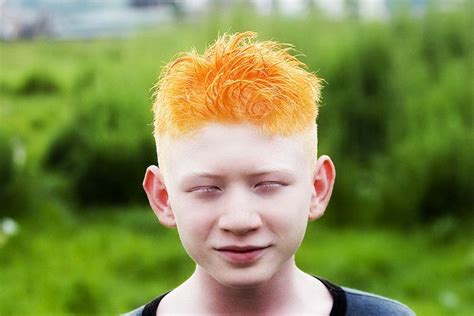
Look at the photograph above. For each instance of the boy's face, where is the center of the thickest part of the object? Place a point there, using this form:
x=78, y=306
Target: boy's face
x=239, y=199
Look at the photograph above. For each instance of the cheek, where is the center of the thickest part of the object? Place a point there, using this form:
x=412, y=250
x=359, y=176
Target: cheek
x=194, y=223
x=294, y=204
x=289, y=217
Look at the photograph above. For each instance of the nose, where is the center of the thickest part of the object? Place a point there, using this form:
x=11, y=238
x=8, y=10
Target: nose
x=240, y=215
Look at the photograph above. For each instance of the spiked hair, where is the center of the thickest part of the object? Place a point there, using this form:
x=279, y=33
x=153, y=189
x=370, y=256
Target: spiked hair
x=237, y=79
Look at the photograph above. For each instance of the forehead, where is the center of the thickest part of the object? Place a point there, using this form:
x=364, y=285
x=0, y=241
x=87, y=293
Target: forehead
x=234, y=149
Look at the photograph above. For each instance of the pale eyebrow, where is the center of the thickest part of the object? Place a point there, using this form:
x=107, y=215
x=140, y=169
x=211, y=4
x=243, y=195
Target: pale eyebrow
x=257, y=173
x=199, y=175
x=277, y=171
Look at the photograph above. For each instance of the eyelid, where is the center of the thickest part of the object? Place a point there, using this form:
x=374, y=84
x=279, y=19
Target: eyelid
x=269, y=184
x=208, y=188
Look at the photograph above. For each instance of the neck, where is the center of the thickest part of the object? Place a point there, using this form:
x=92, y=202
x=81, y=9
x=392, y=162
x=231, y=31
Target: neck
x=282, y=292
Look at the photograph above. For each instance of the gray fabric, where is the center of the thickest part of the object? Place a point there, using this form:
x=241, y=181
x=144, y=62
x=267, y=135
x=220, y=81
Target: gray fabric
x=358, y=304
x=368, y=304
x=135, y=312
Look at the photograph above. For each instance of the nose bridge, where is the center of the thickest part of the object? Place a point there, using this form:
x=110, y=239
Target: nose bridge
x=239, y=213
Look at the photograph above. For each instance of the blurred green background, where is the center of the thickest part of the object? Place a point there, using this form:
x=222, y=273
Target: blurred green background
x=77, y=236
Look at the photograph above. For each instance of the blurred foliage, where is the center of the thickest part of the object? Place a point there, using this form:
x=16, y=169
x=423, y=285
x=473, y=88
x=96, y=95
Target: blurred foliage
x=6, y=166
x=15, y=180
x=105, y=147
x=396, y=117
x=38, y=82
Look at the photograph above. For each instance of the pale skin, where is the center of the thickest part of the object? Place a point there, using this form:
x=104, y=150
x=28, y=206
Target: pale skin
x=229, y=188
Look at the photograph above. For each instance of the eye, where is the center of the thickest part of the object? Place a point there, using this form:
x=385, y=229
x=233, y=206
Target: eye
x=206, y=189
x=268, y=185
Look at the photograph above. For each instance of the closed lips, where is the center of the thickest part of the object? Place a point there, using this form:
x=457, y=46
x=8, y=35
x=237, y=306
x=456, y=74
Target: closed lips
x=241, y=249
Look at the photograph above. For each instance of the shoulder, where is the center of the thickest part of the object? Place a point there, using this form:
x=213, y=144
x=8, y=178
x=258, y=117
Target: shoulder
x=363, y=303
x=136, y=312
x=147, y=309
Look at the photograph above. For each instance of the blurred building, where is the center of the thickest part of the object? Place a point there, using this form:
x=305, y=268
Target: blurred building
x=23, y=19
x=18, y=23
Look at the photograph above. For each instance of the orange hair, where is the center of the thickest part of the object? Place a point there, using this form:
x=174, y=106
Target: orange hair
x=237, y=79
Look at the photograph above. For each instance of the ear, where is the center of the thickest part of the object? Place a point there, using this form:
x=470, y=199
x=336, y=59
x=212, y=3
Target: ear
x=323, y=183
x=157, y=194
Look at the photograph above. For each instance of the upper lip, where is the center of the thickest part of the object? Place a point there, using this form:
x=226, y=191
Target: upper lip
x=241, y=248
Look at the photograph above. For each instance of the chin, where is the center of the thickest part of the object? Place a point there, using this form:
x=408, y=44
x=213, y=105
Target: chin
x=243, y=278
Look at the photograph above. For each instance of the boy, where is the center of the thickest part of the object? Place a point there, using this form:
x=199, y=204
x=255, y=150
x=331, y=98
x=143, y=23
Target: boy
x=239, y=179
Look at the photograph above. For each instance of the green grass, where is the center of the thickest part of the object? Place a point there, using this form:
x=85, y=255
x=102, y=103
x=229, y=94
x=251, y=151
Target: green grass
x=109, y=262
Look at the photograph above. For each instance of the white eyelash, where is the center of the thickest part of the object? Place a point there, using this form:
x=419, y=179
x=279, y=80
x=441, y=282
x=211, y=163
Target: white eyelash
x=205, y=189
x=269, y=184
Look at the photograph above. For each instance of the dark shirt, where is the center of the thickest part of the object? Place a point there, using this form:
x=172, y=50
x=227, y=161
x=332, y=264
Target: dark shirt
x=346, y=301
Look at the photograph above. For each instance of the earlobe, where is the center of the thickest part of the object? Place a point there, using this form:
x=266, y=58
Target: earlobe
x=323, y=183
x=157, y=194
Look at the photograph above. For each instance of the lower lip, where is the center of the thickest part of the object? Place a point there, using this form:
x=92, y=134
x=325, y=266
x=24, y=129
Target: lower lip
x=242, y=257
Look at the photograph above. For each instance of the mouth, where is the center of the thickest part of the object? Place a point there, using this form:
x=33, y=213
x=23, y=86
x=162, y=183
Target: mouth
x=242, y=254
